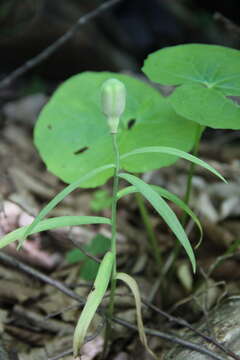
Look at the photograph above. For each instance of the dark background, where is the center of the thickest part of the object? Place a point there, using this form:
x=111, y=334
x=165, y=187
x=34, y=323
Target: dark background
x=117, y=40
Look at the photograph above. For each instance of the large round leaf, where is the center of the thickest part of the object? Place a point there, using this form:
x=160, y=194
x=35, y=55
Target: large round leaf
x=73, y=138
x=206, y=75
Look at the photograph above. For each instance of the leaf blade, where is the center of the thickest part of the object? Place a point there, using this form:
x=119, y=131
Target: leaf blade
x=169, y=196
x=50, y=224
x=132, y=284
x=93, y=301
x=164, y=211
x=174, y=152
x=71, y=128
x=60, y=196
x=218, y=111
x=211, y=65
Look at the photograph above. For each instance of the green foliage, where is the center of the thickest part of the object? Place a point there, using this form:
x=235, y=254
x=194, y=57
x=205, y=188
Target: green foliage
x=50, y=224
x=132, y=284
x=169, y=196
x=100, y=200
x=60, y=196
x=164, y=211
x=205, y=75
x=98, y=246
x=93, y=301
x=74, y=141
x=72, y=135
x=174, y=152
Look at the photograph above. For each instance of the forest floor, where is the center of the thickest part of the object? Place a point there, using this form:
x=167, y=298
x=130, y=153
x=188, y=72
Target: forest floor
x=37, y=319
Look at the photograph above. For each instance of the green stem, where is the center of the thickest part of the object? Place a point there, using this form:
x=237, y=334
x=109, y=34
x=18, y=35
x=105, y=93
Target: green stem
x=149, y=229
x=171, y=260
x=189, y=187
x=114, y=221
x=191, y=172
x=113, y=241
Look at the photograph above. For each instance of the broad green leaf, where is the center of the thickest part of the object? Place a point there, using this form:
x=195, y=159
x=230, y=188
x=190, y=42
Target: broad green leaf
x=59, y=197
x=93, y=301
x=164, y=211
x=175, y=152
x=73, y=138
x=98, y=246
x=132, y=284
x=206, y=75
x=169, y=196
x=210, y=65
x=50, y=224
x=208, y=107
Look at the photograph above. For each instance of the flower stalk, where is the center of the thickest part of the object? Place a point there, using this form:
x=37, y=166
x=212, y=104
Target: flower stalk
x=113, y=97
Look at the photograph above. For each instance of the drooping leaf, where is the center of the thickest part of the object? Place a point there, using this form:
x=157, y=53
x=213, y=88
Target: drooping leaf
x=169, y=196
x=93, y=301
x=52, y=223
x=175, y=152
x=132, y=284
x=206, y=75
x=164, y=211
x=73, y=138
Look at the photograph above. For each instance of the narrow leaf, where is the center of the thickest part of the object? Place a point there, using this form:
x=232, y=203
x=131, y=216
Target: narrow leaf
x=50, y=224
x=174, y=152
x=59, y=197
x=169, y=196
x=164, y=211
x=132, y=284
x=93, y=301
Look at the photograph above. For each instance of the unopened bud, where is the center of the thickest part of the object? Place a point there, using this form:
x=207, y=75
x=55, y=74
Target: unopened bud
x=113, y=98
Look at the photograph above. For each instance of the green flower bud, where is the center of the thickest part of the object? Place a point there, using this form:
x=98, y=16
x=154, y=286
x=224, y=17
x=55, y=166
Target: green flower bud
x=113, y=98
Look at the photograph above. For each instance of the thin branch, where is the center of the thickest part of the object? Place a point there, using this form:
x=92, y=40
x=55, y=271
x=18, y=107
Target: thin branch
x=57, y=44
x=61, y=355
x=227, y=24
x=42, y=277
x=165, y=336
x=81, y=248
x=186, y=324
x=57, y=284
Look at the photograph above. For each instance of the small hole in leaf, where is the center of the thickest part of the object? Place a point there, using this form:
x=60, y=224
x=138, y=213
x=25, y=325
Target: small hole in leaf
x=131, y=123
x=80, y=151
x=49, y=127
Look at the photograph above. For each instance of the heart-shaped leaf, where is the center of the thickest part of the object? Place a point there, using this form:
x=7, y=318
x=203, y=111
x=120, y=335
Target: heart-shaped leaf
x=73, y=138
x=206, y=75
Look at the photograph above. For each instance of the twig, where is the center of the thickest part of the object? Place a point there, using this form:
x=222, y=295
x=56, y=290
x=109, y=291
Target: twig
x=57, y=44
x=164, y=336
x=184, y=323
x=81, y=248
x=57, y=284
x=61, y=355
x=227, y=24
x=42, y=277
x=171, y=338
